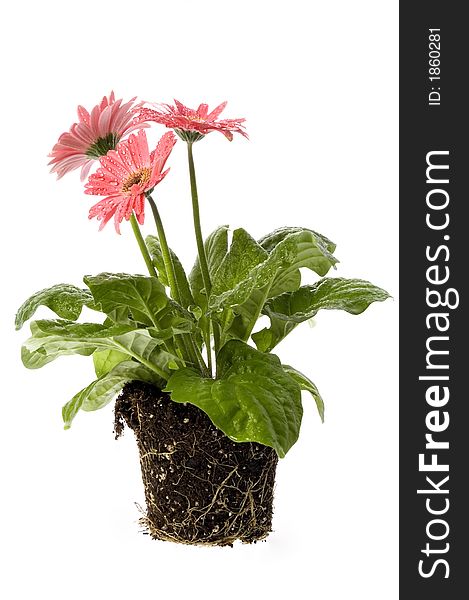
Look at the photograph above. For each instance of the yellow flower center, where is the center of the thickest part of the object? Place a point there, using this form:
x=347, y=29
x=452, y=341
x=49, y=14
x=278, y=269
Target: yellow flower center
x=140, y=177
x=196, y=119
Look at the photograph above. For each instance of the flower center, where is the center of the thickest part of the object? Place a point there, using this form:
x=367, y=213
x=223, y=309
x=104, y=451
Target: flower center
x=141, y=178
x=102, y=145
x=196, y=119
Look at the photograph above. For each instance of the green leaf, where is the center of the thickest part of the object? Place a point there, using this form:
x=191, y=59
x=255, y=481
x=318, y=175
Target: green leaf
x=253, y=400
x=101, y=391
x=307, y=248
x=266, y=339
x=287, y=310
x=105, y=360
x=271, y=240
x=237, y=265
x=216, y=247
x=351, y=295
x=119, y=293
x=51, y=339
x=145, y=347
x=154, y=247
x=246, y=314
x=245, y=254
x=307, y=385
x=175, y=318
x=65, y=300
x=276, y=267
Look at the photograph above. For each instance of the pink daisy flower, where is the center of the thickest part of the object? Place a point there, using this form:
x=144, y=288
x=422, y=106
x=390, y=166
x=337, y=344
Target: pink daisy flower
x=126, y=174
x=191, y=125
x=94, y=135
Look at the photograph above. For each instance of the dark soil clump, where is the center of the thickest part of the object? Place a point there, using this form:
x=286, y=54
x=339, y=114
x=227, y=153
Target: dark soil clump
x=200, y=487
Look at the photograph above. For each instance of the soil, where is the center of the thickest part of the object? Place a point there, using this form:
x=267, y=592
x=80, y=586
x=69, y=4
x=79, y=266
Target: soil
x=200, y=486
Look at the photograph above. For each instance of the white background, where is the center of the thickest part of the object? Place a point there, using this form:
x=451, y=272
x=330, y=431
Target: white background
x=317, y=83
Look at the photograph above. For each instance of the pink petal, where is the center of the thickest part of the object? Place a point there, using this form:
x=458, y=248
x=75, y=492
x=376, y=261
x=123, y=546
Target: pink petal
x=138, y=147
x=124, y=156
x=85, y=170
x=217, y=111
x=183, y=110
x=202, y=111
x=113, y=165
x=104, y=121
x=161, y=153
x=94, y=120
x=83, y=115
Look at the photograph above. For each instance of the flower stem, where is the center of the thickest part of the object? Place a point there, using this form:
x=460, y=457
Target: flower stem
x=201, y=253
x=151, y=267
x=189, y=344
x=168, y=262
x=197, y=227
x=209, y=350
x=142, y=246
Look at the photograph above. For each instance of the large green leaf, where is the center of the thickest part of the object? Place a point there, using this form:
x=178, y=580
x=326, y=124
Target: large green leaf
x=147, y=349
x=154, y=247
x=253, y=399
x=287, y=310
x=306, y=384
x=351, y=295
x=266, y=339
x=105, y=360
x=306, y=248
x=245, y=315
x=272, y=239
x=242, y=318
x=245, y=254
x=237, y=265
x=236, y=276
x=121, y=293
x=273, y=265
x=101, y=391
x=65, y=300
x=51, y=339
x=173, y=317
x=216, y=247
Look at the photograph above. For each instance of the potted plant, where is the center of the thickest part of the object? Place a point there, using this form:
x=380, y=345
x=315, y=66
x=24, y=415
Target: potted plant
x=211, y=406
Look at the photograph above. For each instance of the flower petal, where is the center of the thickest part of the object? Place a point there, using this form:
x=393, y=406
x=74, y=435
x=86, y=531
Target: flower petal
x=216, y=112
x=95, y=133
x=181, y=118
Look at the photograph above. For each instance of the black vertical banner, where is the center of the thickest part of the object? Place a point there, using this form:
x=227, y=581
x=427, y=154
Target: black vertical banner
x=434, y=269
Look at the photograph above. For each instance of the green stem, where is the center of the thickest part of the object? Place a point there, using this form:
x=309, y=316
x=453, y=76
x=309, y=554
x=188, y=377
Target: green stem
x=168, y=262
x=197, y=227
x=189, y=344
x=142, y=246
x=200, y=359
x=209, y=350
x=216, y=342
x=201, y=254
x=151, y=267
x=169, y=343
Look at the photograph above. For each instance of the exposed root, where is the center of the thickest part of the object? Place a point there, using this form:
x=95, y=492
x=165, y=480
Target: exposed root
x=200, y=487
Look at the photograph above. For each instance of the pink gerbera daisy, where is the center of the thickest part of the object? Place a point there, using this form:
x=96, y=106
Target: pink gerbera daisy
x=126, y=174
x=94, y=135
x=191, y=125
